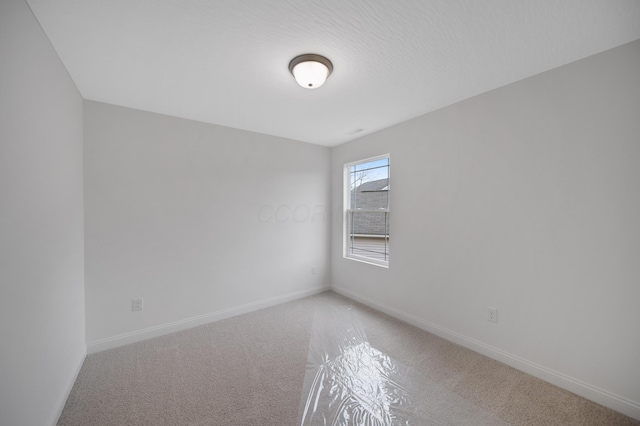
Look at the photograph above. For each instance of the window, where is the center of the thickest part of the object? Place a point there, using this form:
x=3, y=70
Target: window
x=366, y=219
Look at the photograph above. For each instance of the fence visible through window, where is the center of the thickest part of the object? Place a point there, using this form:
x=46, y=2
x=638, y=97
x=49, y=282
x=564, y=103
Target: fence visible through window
x=368, y=245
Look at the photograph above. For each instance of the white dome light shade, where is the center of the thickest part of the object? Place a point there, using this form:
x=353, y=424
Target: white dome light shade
x=310, y=71
x=310, y=75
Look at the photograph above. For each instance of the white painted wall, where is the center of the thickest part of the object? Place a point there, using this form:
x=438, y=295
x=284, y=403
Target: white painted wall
x=527, y=199
x=196, y=219
x=42, y=330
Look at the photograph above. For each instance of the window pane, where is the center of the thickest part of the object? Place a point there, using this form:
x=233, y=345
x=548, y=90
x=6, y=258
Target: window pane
x=369, y=234
x=369, y=184
x=367, y=218
x=371, y=164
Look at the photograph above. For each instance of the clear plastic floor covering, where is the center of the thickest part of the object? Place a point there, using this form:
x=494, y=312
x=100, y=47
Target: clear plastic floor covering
x=348, y=382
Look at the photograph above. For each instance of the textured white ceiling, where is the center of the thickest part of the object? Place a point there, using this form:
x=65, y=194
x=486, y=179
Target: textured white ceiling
x=225, y=61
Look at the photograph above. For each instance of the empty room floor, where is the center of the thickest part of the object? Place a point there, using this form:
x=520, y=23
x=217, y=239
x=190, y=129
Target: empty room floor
x=320, y=360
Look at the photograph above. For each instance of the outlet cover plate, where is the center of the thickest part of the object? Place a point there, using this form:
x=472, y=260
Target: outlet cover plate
x=492, y=314
x=136, y=304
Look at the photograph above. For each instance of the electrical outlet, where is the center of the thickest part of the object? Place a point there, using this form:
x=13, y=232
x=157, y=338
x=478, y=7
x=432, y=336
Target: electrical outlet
x=136, y=304
x=314, y=270
x=492, y=314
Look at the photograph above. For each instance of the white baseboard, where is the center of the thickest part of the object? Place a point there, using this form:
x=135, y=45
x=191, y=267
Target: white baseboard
x=593, y=393
x=62, y=399
x=159, y=330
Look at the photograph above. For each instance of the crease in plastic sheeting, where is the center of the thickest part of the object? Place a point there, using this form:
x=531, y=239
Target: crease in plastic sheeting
x=348, y=382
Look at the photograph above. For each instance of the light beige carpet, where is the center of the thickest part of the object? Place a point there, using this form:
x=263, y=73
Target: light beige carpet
x=250, y=370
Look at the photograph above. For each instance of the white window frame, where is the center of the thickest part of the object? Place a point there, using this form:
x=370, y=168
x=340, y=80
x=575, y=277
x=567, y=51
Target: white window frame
x=347, y=212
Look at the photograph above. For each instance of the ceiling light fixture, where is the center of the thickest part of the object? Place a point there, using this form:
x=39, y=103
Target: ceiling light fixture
x=310, y=71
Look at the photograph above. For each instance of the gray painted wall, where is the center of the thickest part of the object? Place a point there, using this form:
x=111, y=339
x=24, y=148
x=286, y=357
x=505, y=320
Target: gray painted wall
x=195, y=219
x=41, y=225
x=527, y=199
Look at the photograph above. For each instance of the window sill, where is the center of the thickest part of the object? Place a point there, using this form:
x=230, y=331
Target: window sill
x=368, y=261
